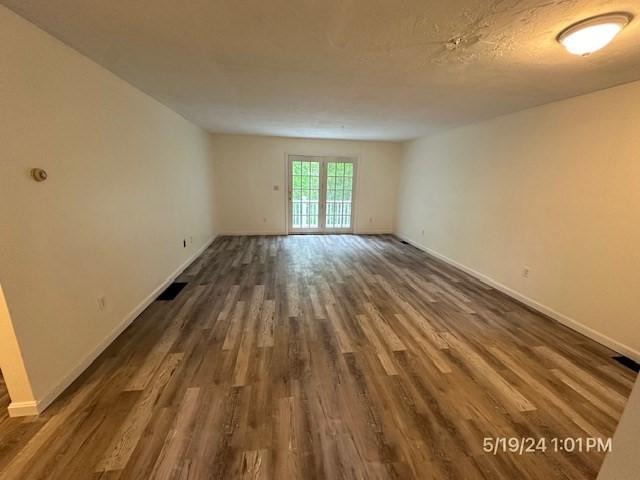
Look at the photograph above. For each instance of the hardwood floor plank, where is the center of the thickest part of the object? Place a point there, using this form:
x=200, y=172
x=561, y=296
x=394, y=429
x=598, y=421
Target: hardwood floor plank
x=433, y=354
x=119, y=451
x=538, y=386
x=478, y=364
x=255, y=465
x=169, y=463
x=607, y=393
x=17, y=466
x=330, y=356
x=248, y=334
x=229, y=302
x=265, y=335
x=341, y=334
x=381, y=352
x=235, y=326
x=293, y=299
x=387, y=333
x=144, y=373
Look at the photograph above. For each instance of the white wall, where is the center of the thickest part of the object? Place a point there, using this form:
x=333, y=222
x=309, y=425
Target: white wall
x=248, y=167
x=554, y=188
x=623, y=461
x=128, y=180
x=14, y=371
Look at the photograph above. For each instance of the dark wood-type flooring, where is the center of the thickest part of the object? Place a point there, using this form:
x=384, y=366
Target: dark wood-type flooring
x=325, y=357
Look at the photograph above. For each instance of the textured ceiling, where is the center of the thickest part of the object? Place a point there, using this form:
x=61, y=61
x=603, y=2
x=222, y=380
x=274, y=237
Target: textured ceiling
x=366, y=69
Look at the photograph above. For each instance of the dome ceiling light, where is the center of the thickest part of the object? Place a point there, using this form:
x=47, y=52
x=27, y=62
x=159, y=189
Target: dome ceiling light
x=592, y=34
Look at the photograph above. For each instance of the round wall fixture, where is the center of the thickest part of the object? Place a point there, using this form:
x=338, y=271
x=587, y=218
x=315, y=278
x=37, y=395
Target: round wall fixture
x=592, y=34
x=38, y=174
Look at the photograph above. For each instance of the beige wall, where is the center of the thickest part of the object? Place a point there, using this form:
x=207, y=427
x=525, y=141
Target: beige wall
x=248, y=167
x=554, y=188
x=128, y=180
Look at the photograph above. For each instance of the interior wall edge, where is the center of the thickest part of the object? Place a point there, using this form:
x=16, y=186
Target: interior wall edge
x=14, y=372
x=622, y=462
x=539, y=307
x=21, y=409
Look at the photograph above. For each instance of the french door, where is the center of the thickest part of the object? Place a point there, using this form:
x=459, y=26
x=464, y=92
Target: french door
x=321, y=194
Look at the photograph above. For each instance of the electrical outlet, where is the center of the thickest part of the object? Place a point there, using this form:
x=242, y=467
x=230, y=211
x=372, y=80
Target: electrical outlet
x=525, y=272
x=102, y=302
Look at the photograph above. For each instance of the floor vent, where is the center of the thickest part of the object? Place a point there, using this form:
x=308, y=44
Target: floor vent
x=172, y=291
x=627, y=362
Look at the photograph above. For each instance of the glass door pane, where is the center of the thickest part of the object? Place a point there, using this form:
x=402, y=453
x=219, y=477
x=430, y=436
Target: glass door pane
x=339, y=201
x=305, y=193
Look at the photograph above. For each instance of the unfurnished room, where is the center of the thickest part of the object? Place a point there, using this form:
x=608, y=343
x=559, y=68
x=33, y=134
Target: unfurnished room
x=319, y=239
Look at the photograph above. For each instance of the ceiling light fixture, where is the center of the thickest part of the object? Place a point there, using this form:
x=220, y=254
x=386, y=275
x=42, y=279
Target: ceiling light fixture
x=587, y=36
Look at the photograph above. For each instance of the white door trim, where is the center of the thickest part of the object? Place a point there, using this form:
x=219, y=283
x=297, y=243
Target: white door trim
x=323, y=158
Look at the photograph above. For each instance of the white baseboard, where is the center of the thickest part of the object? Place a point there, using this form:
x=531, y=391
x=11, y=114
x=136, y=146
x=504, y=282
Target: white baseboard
x=247, y=233
x=549, y=312
x=252, y=233
x=21, y=409
x=373, y=231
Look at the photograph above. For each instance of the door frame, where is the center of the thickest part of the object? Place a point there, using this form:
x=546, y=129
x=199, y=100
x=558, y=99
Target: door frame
x=354, y=159
x=289, y=199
